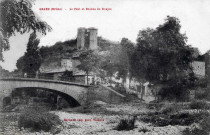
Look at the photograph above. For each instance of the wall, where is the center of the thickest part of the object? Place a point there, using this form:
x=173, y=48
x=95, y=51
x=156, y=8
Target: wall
x=105, y=94
x=199, y=68
x=67, y=64
x=58, y=66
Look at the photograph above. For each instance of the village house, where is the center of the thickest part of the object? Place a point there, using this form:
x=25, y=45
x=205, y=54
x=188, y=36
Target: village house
x=201, y=68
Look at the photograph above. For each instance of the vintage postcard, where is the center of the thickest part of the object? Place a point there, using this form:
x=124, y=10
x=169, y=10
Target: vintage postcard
x=104, y=67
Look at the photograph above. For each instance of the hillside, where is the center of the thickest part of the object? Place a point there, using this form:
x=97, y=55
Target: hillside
x=65, y=49
x=57, y=51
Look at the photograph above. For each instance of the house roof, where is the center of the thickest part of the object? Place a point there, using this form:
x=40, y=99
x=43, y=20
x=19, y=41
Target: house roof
x=55, y=70
x=80, y=73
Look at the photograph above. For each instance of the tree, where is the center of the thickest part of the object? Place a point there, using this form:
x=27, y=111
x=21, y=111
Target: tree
x=20, y=64
x=110, y=60
x=114, y=58
x=18, y=16
x=127, y=49
x=4, y=73
x=163, y=57
x=89, y=62
x=31, y=60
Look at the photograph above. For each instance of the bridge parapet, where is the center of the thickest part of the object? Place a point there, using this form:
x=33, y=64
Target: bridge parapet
x=43, y=80
x=41, y=76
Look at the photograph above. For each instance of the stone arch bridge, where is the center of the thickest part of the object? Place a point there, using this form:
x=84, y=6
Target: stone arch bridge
x=80, y=92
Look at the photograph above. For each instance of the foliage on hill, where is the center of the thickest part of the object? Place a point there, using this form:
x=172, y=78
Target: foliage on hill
x=53, y=53
x=58, y=50
x=105, y=45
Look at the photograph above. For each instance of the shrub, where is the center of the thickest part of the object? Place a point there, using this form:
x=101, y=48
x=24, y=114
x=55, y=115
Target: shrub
x=126, y=124
x=199, y=104
x=168, y=108
x=201, y=95
x=205, y=124
x=175, y=91
x=195, y=131
x=183, y=119
x=144, y=129
x=203, y=130
x=37, y=120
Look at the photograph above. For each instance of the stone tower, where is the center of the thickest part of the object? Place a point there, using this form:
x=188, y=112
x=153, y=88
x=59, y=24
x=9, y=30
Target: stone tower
x=207, y=62
x=81, y=38
x=87, y=38
x=92, y=38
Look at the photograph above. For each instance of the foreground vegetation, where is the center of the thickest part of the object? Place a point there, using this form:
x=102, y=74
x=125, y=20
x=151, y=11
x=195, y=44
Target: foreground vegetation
x=37, y=119
x=134, y=117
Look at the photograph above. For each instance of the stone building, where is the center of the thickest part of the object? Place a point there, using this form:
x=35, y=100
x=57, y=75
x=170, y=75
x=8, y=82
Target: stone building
x=202, y=68
x=55, y=69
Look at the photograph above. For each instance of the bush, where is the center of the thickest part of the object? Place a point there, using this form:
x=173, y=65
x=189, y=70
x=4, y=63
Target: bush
x=203, y=95
x=183, y=119
x=37, y=120
x=203, y=130
x=199, y=104
x=176, y=90
x=144, y=129
x=126, y=124
x=205, y=124
x=195, y=131
x=169, y=108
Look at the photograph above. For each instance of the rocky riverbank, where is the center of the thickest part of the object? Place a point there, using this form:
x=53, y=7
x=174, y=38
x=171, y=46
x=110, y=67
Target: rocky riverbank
x=101, y=120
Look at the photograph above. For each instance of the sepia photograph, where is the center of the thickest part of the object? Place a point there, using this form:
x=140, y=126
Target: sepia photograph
x=104, y=67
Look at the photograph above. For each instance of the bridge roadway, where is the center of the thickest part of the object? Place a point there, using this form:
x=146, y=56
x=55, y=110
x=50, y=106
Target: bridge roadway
x=80, y=92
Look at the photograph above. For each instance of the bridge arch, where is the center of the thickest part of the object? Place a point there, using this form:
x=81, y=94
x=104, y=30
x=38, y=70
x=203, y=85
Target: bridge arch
x=72, y=102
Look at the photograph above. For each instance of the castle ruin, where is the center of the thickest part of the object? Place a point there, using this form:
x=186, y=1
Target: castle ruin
x=87, y=38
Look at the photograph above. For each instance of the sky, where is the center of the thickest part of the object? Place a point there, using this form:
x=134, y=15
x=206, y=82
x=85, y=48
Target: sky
x=125, y=19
